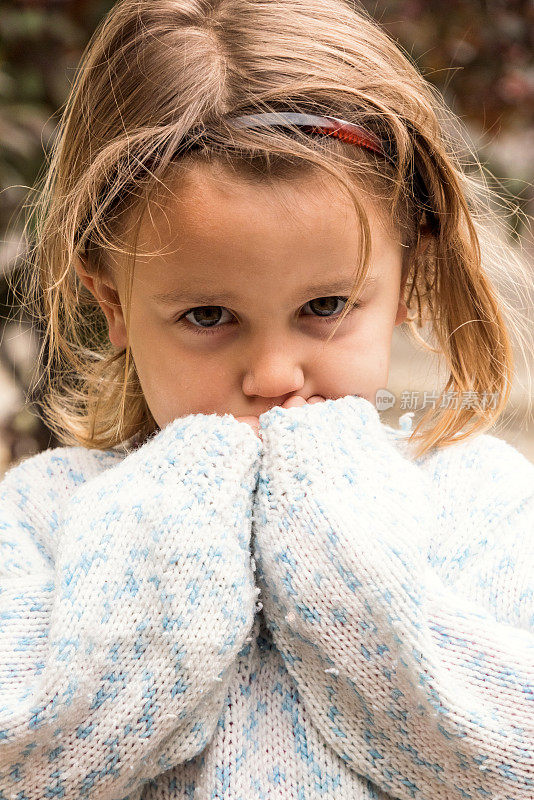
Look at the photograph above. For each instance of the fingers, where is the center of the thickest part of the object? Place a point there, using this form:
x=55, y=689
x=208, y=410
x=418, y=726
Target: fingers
x=294, y=402
x=297, y=401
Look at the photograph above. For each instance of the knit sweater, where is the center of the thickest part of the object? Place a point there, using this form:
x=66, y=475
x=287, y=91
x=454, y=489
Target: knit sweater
x=313, y=614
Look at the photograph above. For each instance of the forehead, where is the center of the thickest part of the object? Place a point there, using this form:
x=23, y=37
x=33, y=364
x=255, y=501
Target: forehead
x=208, y=200
x=210, y=221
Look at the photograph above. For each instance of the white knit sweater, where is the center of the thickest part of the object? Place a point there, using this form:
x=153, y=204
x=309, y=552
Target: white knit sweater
x=314, y=615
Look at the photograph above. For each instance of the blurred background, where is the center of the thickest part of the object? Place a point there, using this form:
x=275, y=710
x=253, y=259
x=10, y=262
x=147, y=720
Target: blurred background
x=480, y=56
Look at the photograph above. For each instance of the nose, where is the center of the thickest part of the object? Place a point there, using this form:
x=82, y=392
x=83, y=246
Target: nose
x=273, y=371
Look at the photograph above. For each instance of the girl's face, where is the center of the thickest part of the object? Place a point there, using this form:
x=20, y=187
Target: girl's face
x=233, y=313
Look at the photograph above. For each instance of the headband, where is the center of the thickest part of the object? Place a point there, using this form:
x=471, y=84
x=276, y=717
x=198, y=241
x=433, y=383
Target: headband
x=312, y=123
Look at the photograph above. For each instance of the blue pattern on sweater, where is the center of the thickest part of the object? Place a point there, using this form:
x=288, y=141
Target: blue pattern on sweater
x=391, y=654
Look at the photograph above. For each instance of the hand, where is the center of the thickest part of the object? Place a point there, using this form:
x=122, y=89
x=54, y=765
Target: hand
x=292, y=402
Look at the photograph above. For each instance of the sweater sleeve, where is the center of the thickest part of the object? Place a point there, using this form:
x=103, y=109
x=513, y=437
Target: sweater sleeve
x=417, y=687
x=117, y=650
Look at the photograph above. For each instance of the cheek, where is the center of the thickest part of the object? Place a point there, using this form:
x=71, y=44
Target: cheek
x=373, y=354
x=163, y=374
x=358, y=363
x=177, y=381
x=368, y=344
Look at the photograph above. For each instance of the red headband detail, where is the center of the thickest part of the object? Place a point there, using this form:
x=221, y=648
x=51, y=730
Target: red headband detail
x=312, y=123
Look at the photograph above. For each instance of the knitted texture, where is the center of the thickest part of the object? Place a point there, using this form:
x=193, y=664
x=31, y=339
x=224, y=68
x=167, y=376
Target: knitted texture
x=313, y=615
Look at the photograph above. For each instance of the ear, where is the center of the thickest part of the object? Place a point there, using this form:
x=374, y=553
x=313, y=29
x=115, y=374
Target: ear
x=105, y=292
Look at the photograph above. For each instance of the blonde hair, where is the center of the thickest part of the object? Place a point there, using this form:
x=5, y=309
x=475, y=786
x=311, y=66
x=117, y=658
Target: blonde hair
x=159, y=73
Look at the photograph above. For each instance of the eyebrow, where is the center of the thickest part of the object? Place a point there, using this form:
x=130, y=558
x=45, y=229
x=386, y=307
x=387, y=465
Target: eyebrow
x=220, y=298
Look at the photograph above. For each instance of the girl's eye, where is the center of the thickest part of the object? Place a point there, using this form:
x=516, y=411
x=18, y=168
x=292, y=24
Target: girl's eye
x=212, y=314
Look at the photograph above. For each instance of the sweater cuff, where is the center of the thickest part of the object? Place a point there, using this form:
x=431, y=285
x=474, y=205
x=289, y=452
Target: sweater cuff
x=312, y=435
x=216, y=441
x=351, y=411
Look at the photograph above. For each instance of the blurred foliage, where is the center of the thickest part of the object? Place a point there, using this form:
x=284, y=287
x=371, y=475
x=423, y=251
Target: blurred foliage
x=479, y=54
x=40, y=46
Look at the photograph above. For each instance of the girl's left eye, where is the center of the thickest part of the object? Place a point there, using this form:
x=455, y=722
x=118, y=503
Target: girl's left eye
x=214, y=314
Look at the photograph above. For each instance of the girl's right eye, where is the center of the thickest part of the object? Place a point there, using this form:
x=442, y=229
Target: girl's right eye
x=210, y=314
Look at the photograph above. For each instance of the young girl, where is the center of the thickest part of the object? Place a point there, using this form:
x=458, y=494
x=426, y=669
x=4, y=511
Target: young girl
x=235, y=581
